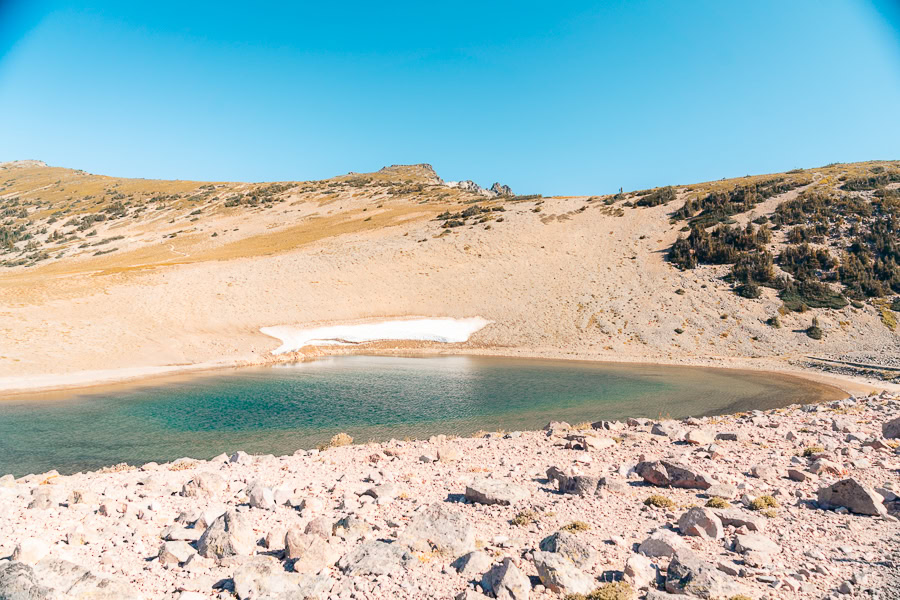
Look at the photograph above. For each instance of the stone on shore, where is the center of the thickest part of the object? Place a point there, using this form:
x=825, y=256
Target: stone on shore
x=263, y=577
x=701, y=522
x=473, y=563
x=229, y=535
x=661, y=543
x=175, y=553
x=852, y=495
x=375, y=558
x=506, y=582
x=560, y=575
x=441, y=529
x=666, y=473
x=493, y=491
x=891, y=429
x=570, y=546
x=690, y=575
x=30, y=550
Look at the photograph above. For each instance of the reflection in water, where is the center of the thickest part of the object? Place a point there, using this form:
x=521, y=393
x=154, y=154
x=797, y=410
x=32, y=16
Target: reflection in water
x=281, y=408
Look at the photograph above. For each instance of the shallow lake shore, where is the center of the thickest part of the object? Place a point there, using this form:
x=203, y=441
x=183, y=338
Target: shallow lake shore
x=535, y=514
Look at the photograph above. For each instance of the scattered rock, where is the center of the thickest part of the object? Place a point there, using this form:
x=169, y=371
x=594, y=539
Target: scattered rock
x=674, y=474
x=472, y=564
x=506, y=582
x=30, y=550
x=229, y=535
x=439, y=528
x=375, y=558
x=661, y=543
x=493, y=491
x=175, y=553
x=570, y=546
x=851, y=494
x=701, y=522
x=560, y=575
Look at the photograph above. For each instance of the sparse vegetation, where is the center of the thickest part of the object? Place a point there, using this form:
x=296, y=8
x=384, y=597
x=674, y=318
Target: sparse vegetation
x=762, y=503
x=575, y=527
x=812, y=451
x=659, y=501
x=717, y=502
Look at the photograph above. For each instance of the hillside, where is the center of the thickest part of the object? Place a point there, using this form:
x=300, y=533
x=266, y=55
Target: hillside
x=104, y=278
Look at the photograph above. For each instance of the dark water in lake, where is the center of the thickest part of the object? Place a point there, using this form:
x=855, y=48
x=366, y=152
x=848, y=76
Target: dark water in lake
x=282, y=408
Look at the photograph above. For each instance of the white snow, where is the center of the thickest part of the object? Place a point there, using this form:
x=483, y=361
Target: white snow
x=446, y=330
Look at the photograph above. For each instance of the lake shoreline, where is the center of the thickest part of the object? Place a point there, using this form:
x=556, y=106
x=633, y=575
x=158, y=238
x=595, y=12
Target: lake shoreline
x=14, y=388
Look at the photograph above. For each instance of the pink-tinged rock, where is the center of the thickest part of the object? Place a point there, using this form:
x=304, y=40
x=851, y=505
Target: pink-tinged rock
x=670, y=473
x=852, y=495
x=702, y=522
x=891, y=429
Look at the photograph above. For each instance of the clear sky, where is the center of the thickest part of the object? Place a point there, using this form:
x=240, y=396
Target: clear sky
x=549, y=97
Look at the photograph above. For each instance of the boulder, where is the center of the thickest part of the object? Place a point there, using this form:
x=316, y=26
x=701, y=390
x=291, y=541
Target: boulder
x=823, y=466
x=472, y=564
x=891, y=429
x=30, y=550
x=725, y=491
x=309, y=552
x=690, y=575
x=262, y=497
x=175, y=553
x=570, y=546
x=205, y=485
x=854, y=496
x=375, y=558
x=701, y=522
x=439, y=528
x=350, y=528
x=493, y=491
x=58, y=574
x=229, y=535
x=559, y=575
x=746, y=543
x=675, y=474
x=261, y=577
x=670, y=429
x=319, y=526
x=506, y=582
x=661, y=542
x=19, y=582
x=699, y=437
x=640, y=571
x=740, y=518
x=580, y=485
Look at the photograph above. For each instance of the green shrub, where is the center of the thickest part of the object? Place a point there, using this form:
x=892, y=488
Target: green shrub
x=814, y=331
x=763, y=502
x=659, y=501
x=812, y=451
x=717, y=502
x=575, y=526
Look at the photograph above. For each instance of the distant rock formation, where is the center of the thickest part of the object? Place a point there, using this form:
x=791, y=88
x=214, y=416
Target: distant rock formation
x=501, y=190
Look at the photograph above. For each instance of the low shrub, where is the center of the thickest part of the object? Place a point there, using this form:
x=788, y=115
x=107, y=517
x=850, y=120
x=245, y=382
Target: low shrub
x=575, y=526
x=763, y=502
x=659, y=501
x=717, y=502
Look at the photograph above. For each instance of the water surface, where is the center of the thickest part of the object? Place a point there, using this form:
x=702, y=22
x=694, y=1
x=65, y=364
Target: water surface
x=282, y=408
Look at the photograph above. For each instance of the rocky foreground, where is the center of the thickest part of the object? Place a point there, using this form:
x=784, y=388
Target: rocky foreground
x=793, y=503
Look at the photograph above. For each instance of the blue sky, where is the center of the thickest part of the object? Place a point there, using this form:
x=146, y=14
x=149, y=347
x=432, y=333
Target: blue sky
x=553, y=98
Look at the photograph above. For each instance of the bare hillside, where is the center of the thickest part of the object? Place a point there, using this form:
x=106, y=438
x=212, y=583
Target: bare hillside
x=106, y=278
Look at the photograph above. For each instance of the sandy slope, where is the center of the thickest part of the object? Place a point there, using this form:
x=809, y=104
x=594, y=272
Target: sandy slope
x=562, y=282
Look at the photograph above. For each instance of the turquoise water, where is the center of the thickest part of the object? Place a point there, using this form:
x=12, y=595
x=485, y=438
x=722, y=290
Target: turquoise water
x=280, y=409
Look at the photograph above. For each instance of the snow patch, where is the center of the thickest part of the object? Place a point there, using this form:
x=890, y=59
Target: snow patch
x=446, y=330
